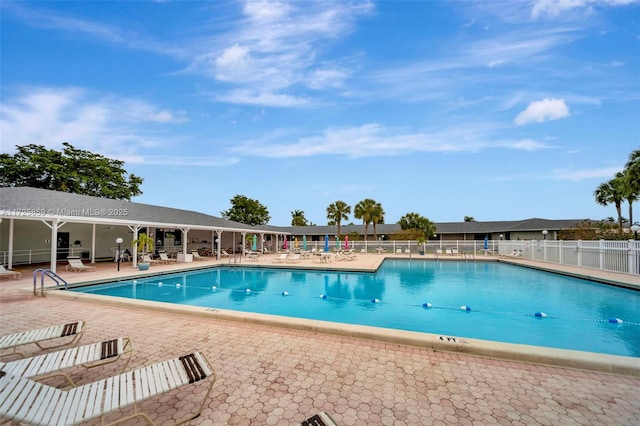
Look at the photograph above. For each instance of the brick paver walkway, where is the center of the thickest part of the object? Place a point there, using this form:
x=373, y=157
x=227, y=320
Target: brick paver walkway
x=269, y=375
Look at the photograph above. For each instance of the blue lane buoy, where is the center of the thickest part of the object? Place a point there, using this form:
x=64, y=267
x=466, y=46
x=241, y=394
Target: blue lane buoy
x=284, y=293
x=323, y=296
x=540, y=314
x=159, y=284
x=135, y=281
x=214, y=288
x=248, y=290
x=375, y=300
x=427, y=305
x=465, y=308
x=615, y=320
x=178, y=285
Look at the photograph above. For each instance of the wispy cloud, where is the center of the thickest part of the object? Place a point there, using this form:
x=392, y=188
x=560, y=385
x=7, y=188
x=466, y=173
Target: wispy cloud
x=276, y=47
x=109, y=125
x=554, y=8
x=586, y=174
x=45, y=19
x=541, y=111
x=375, y=140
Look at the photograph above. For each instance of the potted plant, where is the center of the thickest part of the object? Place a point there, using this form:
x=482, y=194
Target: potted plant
x=143, y=243
x=420, y=242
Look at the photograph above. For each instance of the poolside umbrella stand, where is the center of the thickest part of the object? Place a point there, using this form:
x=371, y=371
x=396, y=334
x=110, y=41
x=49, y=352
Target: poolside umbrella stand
x=285, y=244
x=254, y=243
x=346, y=243
x=304, y=242
x=337, y=242
x=326, y=243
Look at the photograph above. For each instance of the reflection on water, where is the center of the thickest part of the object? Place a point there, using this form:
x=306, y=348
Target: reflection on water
x=502, y=299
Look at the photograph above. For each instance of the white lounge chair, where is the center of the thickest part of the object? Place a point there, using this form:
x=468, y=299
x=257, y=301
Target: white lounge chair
x=164, y=258
x=196, y=255
x=147, y=259
x=11, y=342
x=281, y=259
x=76, y=265
x=9, y=272
x=53, y=364
x=294, y=258
x=26, y=401
x=223, y=253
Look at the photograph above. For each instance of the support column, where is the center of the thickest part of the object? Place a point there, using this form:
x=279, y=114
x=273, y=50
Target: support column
x=10, y=248
x=55, y=225
x=185, y=231
x=135, y=229
x=93, y=243
x=218, y=243
x=244, y=241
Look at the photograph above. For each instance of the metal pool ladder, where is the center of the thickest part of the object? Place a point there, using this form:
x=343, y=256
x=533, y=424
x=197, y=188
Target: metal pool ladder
x=49, y=273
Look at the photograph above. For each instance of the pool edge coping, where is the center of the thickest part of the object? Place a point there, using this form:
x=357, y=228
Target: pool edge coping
x=564, y=358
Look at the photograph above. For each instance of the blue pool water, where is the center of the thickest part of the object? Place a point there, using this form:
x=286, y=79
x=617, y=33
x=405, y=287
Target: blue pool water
x=502, y=301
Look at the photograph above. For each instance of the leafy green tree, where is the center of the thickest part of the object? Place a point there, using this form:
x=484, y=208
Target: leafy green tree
x=612, y=192
x=298, y=219
x=365, y=210
x=70, y=170
x=469, y=219
x=337, y=212
x=414, y=221
x=246, y=210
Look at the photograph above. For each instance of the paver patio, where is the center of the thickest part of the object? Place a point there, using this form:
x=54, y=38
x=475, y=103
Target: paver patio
x=276, y=376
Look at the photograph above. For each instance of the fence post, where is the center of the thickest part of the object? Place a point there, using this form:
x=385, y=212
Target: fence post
x=601, y=253
x=633, y=264
x=559, y=252
x=579, y=250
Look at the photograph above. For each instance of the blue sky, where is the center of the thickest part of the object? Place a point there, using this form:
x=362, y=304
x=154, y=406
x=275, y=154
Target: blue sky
x=495, y=110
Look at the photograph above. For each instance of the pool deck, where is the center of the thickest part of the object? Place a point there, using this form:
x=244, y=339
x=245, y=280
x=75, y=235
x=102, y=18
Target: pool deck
x=271, y=371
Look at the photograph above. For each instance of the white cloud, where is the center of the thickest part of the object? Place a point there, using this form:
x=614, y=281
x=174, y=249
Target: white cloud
x=375, y=140
x=50, y=116
x=541, y=111
x=276, y=47
x=579, y=175
x=553, y=8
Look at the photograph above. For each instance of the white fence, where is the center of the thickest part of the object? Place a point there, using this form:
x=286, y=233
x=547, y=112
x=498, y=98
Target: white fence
x=613, y=256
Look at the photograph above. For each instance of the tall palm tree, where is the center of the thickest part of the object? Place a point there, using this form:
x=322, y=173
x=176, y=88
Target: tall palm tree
x=337, y=212
x=364, y=210
x=612, y=192
x=632, y=181
x=377, y=217
x=298, y=219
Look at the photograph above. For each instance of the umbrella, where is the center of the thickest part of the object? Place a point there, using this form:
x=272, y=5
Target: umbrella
x=346, y=243
x=337, y=242
x=254, y=243
x=326, y=243
x=285, y=245
x=486, y=243
x=304, y=242
x=295, y=242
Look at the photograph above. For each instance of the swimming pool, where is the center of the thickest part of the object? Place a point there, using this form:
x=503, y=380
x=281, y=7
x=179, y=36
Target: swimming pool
x=489, y=301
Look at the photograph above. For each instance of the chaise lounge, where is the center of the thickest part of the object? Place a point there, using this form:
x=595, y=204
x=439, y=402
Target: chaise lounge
x=26, y=401
x=76, y=265
x=12, y=342
x=9, y=272
x=53, y=364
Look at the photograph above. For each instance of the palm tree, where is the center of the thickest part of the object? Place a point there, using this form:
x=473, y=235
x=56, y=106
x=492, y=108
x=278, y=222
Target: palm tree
x=469, y=219
x=612, y=192
x=377, y=217
x=364, y=210
x=298, y=219
x=632, y=181
x=337, y=212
